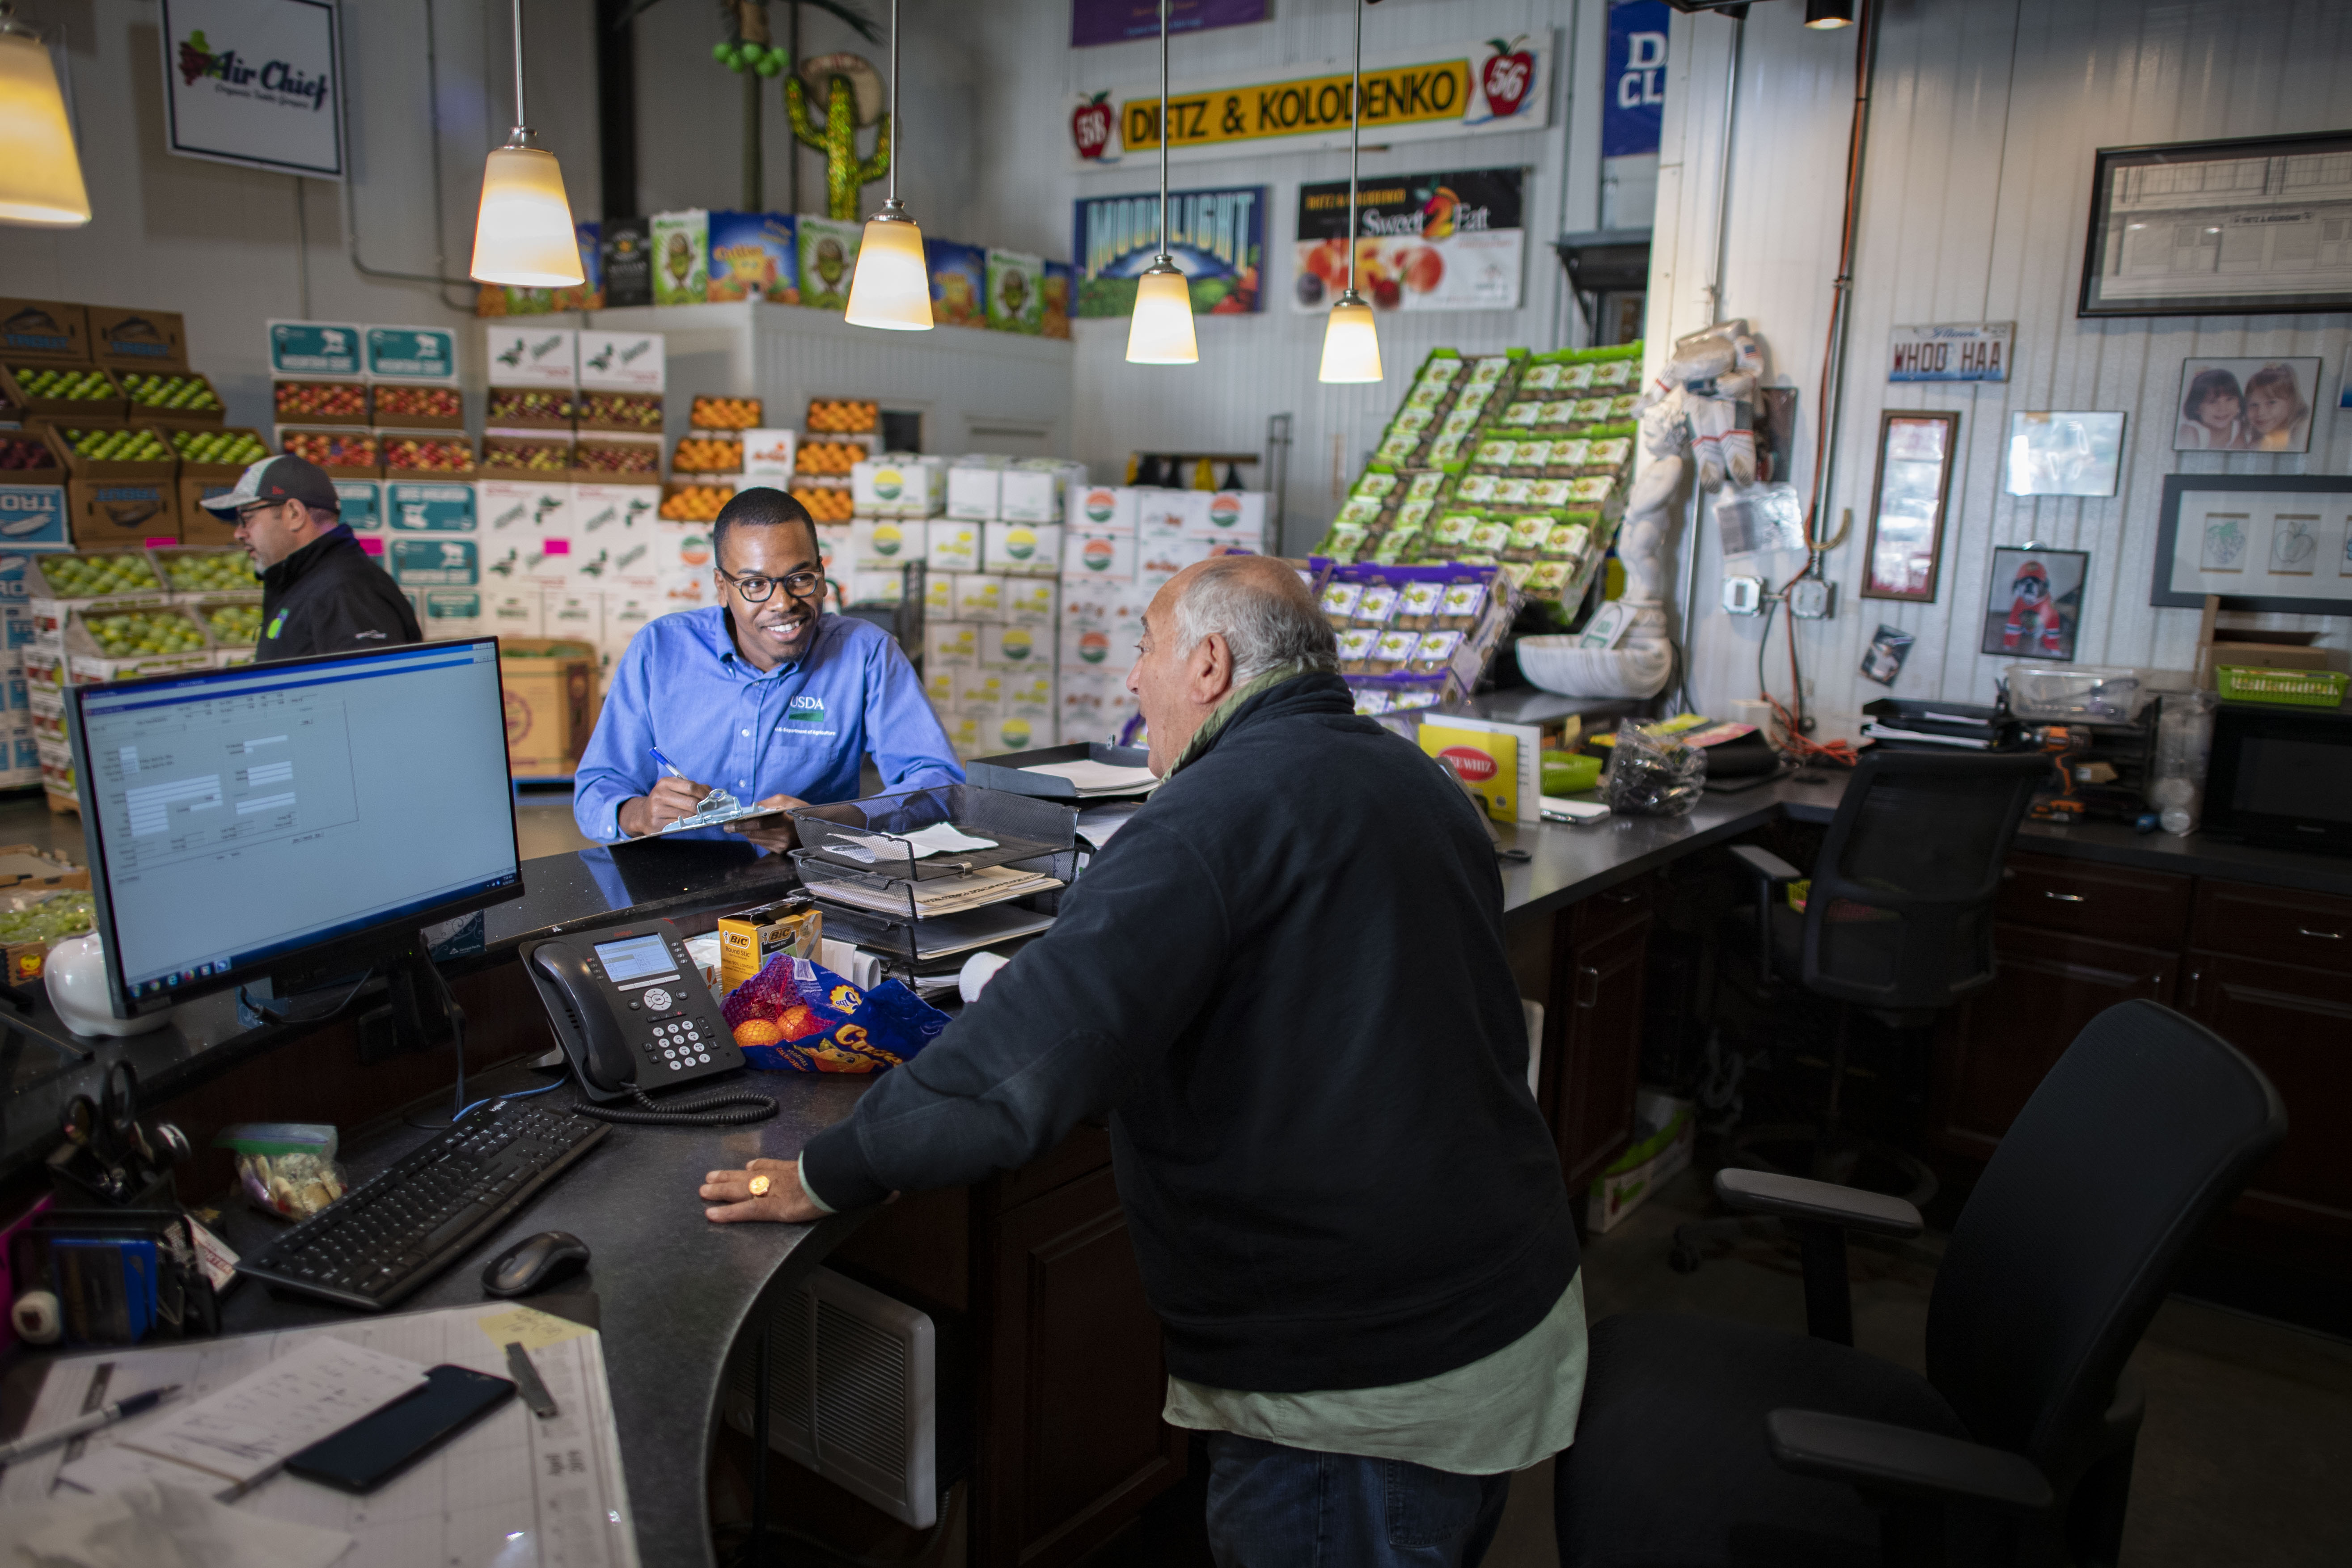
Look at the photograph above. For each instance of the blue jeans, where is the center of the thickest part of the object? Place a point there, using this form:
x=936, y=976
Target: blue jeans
x=1272, y=1506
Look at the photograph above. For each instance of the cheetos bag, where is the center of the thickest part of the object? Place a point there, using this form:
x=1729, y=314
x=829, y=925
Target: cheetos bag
x=799, y=1017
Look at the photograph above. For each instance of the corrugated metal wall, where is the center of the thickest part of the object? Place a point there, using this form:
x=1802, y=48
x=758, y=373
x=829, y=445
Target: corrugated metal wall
x=1976, y=200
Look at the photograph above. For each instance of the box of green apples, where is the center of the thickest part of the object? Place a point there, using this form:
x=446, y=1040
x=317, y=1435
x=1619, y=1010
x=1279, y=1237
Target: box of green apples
x=54, y=585
x=172, y=396
x=34, y=921
x=233, y=620
x=82, y=391
x=191, y=571
x=215, y=452
x=115, y=451
x=107, y=641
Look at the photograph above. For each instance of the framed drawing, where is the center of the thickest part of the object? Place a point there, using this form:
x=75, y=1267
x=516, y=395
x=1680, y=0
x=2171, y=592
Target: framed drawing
x=2241, y=227
x=1907, y=503
x=2064, y=454
x=2263, y=542
x=2034, y=608
x=2246, y=405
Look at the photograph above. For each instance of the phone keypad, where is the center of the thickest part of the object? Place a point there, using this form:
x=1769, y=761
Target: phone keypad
x=681, y=1042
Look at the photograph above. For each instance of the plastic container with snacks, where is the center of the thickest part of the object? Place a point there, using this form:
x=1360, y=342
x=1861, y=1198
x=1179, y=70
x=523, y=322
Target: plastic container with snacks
x=285, y=1168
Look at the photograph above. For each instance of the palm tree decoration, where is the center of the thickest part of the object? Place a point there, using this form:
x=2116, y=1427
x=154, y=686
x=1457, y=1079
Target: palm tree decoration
x=750, y=52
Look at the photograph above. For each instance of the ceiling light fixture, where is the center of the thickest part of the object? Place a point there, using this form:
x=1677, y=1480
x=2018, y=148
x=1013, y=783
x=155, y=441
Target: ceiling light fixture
x=523, y=235
x=1351, y=342
x=892, y=285
x=40, y=173
x=1823, y=14
x=1160, y=330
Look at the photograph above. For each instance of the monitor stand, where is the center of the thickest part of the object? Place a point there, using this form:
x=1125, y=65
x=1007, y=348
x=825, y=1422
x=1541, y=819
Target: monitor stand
x=415, y=1013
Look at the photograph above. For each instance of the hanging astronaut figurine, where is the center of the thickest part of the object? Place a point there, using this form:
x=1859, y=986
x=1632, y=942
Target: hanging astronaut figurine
x=1701, y=410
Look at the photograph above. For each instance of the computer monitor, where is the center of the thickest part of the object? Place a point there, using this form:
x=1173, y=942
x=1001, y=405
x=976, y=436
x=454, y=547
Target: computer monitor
x=276, y=818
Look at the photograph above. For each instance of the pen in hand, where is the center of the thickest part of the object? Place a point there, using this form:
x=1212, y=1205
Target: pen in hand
x=104, y=1416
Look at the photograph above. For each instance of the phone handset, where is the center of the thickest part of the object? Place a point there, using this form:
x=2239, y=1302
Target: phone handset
x=611, y=1070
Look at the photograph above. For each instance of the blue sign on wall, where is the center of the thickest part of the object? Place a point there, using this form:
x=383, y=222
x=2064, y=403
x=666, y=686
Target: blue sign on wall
x=1634, y=100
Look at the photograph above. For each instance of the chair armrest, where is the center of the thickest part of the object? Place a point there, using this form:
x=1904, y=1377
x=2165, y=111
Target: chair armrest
x=1881, y=1456
x=1765, y=864
x=1795, y=1198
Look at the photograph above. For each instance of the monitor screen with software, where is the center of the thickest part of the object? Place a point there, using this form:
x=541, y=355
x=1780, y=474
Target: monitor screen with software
x=237, y=817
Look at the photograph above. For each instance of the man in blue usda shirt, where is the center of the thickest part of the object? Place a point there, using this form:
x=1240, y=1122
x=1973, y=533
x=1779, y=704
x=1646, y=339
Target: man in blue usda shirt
x=762, y=694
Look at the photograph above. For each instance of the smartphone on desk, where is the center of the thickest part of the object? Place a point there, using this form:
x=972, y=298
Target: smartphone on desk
x=378, y=1446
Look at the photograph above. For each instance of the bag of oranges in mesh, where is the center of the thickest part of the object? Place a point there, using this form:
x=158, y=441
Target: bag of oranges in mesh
x=795, y=1015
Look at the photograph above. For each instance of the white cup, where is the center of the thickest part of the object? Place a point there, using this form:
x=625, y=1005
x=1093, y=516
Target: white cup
x=75, y=972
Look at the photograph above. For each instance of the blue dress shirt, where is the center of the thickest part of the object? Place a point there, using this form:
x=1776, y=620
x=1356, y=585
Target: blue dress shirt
x=799, y=729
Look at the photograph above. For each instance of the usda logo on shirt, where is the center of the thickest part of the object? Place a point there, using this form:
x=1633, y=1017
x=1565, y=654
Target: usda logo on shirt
x=1020, y=544
x=1101, y=505
x=888, y=482
x=886, y=537
x=805, y=710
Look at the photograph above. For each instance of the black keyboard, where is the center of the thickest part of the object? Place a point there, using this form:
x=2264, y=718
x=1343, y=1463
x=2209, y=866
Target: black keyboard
x=398, y=1230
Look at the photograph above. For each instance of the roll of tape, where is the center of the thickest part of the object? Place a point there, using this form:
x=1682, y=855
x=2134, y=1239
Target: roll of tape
x=978, y=971
x=37, y=1318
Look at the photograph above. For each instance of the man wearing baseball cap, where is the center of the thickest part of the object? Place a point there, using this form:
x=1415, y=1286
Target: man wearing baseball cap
x=319, y=592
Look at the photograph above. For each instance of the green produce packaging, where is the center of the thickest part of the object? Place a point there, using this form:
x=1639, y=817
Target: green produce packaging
x=1016, y=292
x=682, y=254
x=828, y=255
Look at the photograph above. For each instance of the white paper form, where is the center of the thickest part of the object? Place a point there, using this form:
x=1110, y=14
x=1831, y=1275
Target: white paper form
x=1091, y=777
x=920, y=845
x=510, y=1492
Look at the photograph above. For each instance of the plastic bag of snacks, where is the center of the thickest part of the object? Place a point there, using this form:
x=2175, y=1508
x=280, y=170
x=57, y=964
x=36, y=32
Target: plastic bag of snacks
x=799, y=1017
x=286, y=1167
x=1653, y=775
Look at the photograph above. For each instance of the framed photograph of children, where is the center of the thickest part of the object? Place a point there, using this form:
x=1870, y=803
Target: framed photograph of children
x=2060, y=454
x=2034, y=608
x=1907, y=501
x=2245, y=405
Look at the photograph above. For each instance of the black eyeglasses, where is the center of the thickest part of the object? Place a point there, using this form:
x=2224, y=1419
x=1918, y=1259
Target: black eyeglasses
x=253, y=510
x=756, y=589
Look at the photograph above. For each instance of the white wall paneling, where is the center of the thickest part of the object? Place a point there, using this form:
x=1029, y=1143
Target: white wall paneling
x=1986, y=115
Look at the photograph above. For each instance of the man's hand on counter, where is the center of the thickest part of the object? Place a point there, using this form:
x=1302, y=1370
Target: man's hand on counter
x=671, y=798
x=729, y=1195
x=773, y=832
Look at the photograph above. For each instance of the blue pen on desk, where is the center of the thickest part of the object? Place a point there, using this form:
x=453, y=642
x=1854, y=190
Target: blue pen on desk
x=104, y=1416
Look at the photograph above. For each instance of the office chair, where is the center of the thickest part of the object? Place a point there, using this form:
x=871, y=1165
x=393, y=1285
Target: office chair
x=1708, y=1442
x=1898, y=921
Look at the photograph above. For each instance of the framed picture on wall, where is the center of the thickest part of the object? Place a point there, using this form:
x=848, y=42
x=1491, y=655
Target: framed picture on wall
x=2057, y=454
x=2034, y=608
x=1907, y=503
x=2280, y=542
x=2246, y=405
x=2241, y=227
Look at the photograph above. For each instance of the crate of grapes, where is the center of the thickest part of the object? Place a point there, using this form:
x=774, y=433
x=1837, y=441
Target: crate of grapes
x=32, y=922
x=218, y=572
x=112, y=642
x=114, y=452
x=55, y=585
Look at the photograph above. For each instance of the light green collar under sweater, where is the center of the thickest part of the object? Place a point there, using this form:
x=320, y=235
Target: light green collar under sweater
x=1211, y=727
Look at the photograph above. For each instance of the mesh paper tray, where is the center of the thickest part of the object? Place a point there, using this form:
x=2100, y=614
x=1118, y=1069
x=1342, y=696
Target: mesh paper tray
x=1006, y=771
x=1023, y=828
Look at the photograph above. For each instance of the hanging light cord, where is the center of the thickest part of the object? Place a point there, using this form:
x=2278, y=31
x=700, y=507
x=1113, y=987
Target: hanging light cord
x=897, y=132
x=1163, y=255
x=522, y=122
x=1355, y=141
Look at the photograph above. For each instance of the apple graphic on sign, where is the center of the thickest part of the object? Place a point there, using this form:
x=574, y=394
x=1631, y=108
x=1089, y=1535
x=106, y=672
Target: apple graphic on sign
x=1505, y=75
x=1090, y=125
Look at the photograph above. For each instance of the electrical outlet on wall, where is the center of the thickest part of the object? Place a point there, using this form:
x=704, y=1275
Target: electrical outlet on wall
x=1811, y=599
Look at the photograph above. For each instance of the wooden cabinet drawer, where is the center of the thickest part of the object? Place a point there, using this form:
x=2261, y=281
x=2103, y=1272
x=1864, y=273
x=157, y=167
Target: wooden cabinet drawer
x=1604, y=914
x=2150, y=907
x=2280, y=924
x=2296, y=1026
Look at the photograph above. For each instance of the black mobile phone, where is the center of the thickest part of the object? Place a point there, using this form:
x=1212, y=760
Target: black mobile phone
x=378, y=1446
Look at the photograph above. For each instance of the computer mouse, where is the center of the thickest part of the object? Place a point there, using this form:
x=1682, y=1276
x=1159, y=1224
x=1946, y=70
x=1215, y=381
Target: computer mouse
x=534, y=1263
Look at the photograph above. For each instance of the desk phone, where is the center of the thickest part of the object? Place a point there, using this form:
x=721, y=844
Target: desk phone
x=630, y=1008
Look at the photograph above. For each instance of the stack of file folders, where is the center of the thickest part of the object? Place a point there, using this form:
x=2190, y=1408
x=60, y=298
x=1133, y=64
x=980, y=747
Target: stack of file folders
x=1903, y=724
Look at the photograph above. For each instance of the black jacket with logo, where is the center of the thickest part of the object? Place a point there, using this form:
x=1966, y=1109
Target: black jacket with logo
x=1285, y=980
x=329, y=598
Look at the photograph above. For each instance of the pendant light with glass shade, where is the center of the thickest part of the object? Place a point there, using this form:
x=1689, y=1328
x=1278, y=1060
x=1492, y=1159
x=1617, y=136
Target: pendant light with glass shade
x=523, y=235
x=1160, y=332
x=892, y=285
x=1351, y=344
x=40, y=173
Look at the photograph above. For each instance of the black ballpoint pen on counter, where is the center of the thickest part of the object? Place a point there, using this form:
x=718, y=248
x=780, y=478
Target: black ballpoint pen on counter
x=104, y=1416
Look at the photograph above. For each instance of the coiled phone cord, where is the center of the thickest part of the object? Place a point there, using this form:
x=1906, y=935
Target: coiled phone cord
x=699, y=1111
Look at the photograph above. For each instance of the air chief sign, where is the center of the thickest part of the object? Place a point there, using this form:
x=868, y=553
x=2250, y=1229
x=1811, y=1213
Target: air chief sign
x=1495, y=85
x=258, y=82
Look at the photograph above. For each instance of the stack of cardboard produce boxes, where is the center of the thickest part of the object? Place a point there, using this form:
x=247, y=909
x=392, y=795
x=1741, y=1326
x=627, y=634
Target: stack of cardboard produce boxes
x=106, y=439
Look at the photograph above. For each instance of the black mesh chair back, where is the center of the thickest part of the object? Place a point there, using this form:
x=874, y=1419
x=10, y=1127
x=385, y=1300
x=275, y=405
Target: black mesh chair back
x=1899, y=917
x=2139, y=1138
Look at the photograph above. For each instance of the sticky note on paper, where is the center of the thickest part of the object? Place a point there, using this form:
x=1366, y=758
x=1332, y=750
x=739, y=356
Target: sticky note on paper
x=531, y=1327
